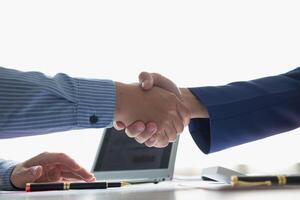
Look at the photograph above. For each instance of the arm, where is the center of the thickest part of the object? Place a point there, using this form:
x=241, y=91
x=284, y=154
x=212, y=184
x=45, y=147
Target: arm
x=32, y=103
x=242, y=112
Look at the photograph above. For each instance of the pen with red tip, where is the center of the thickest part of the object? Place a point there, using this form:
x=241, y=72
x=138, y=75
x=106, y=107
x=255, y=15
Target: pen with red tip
x=30, y=187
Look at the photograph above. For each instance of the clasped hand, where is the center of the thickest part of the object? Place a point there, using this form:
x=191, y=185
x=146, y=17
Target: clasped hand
x=151, y=112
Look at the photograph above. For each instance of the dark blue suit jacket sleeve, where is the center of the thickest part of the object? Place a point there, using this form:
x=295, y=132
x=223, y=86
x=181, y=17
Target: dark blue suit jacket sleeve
x=241, y=112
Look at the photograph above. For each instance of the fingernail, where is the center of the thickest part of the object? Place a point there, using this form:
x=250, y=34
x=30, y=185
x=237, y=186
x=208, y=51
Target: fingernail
x=145, y=83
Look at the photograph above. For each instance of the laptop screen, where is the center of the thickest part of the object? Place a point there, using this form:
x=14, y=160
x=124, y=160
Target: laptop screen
x=119, y=152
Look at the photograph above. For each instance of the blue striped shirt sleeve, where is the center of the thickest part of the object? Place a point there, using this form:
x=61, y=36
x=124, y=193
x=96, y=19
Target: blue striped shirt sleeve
x=32, y=104
x=6, y=168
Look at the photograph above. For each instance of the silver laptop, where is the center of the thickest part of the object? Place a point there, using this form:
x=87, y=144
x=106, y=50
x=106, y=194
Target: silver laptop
x=122, y=158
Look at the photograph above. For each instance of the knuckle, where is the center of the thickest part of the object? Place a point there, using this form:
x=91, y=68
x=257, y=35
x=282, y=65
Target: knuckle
x=62, y=155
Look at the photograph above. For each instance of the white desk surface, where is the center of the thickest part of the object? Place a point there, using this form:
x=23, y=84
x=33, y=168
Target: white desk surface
x=161, y=191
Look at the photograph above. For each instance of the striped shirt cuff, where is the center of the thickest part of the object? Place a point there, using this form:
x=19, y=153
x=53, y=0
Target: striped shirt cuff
x=6, y=169
x=95, y=103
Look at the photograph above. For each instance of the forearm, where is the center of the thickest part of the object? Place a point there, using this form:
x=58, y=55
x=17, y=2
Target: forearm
x=6, y=168
x=32, y=103
x=245, y=111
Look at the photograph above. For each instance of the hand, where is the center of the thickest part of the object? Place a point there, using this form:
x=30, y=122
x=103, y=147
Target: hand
x=156, y=105
x=146, y=132
x=48, y=167
x=143, y=132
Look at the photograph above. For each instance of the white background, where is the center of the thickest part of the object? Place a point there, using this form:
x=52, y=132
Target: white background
x=194, y=43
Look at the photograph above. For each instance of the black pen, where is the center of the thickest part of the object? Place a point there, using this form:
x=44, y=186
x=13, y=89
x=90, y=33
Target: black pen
x=72, y=185
x=264, y=180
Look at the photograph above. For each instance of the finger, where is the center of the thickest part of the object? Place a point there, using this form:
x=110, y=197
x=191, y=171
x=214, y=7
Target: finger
x=170, y=132
x=46, y=159
x=162, y=140
x=70, y=175
x=119, y=125
x=75, y=177
x=27, y=175
x=146, y=80
x=151, y=142
x=83, y=173
x=150, y=130
x=87, y=176
x=178, y=125
x=135, y=129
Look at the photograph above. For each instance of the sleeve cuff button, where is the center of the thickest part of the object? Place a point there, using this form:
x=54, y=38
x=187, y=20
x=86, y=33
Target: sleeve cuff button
x=93, y=119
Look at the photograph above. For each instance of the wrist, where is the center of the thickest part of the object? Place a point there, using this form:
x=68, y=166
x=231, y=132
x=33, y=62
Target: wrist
x=12, y=177
x=195, y=106
x=126, y=96
x=120, y=93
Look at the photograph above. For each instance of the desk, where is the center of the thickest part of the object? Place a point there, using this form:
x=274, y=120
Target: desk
x=161, y=191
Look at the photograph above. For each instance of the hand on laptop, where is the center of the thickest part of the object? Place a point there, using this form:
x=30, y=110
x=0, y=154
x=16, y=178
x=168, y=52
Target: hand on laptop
x=162, y=110
x=48, y=167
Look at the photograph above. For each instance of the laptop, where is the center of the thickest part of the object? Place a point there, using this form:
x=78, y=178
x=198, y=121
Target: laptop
x=120, y=158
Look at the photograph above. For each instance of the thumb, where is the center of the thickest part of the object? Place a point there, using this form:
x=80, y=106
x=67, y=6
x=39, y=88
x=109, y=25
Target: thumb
x=165, y=83
x=146, y=80
x=149, y=80
x=29, y=175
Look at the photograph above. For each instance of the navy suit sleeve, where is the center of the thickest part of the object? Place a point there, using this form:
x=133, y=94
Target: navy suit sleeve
x=242, y=112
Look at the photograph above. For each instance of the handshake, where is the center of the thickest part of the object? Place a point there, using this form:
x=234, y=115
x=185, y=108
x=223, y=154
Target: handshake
x=155, y=111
